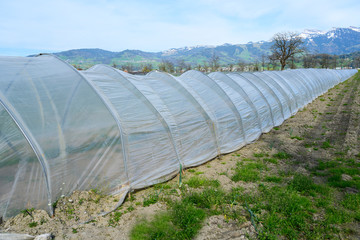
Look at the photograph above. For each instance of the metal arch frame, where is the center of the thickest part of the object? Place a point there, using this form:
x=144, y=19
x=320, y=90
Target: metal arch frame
x=196, y=101
x=237, y=88
x=271, y=92
x=319, y=85
x=32, y=142
x=261, y=94
x=222, y=94
x=123, y=80
x=278, y=78
x=312, y=83
x=276, y=85
x=109, y=107
x=297, y=85
x=296, y=78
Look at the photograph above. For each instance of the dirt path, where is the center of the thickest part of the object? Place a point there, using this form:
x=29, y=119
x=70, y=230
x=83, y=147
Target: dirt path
x=325, y=130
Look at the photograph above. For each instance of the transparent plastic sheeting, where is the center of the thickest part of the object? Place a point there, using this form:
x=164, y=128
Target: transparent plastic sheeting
x=63, y=130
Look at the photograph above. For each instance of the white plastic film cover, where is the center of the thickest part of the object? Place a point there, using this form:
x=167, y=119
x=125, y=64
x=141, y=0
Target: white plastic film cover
x=63, y=130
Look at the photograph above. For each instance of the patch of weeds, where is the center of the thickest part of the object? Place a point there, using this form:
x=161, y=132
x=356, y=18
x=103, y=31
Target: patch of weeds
x=95, y=190
x=287, y=213
x=162, y=186
x=301, y=183
x=199, y=173
x=160, y=228
x=74, y=230
x=28, y=211
x=351, y=202
x=309, y=145
x=42, y=221
x=276, y=128
x=323, y=165
x=33, y=224
x=282, y=155
x=130, y=209
x=322, y=99
x=183, y=221
x=260, y=155
x=191, y=170
x=271, y=160
x=70, y=211
x=210, y=198
x=305, y=185
x=81, y=201
x=336, y=216
x=197, y=182
x=151, y=198
x=336, y=181
x=297, y=138
x=54, y=205
x=340, y=153
x=326, y=145
x=352, y=163
x=114, y=219
x=248, y=172
x=97, y=199
x=345, y=170
x=274, y=179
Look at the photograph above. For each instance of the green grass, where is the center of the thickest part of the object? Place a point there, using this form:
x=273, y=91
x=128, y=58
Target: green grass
x=282, y=155
x=197, y=182
x=152, y=198
x=274, y=179
x=297, y=138
x=33, y=224
x=326, y=145
x=260, y=155
x=249, y=172
x=271, y=160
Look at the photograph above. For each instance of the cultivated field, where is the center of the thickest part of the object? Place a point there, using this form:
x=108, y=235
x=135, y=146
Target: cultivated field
x=299, y=181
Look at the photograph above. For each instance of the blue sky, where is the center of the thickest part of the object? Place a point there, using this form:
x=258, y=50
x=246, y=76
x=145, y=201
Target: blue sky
x=33, y=26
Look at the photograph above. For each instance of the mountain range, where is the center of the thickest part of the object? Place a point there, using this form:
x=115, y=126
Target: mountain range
x=335, y=41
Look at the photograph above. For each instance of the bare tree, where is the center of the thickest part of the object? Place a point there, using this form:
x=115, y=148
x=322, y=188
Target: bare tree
x=214, y=62
x=181, y=65
x=166, y=66
x=128, y=67
x=256, y=66
x=241, y=65
x=309, y=61
x=324, y=60
x=263, y=59
x=145, y=68
x=286, y=45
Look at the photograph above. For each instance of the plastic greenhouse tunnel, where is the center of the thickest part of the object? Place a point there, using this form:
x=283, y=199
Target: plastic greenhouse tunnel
x=63, y=130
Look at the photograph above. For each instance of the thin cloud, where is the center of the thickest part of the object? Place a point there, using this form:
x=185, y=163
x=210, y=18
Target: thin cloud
x=159, y=25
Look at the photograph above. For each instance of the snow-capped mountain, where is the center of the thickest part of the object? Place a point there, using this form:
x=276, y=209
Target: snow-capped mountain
x=334, y=41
